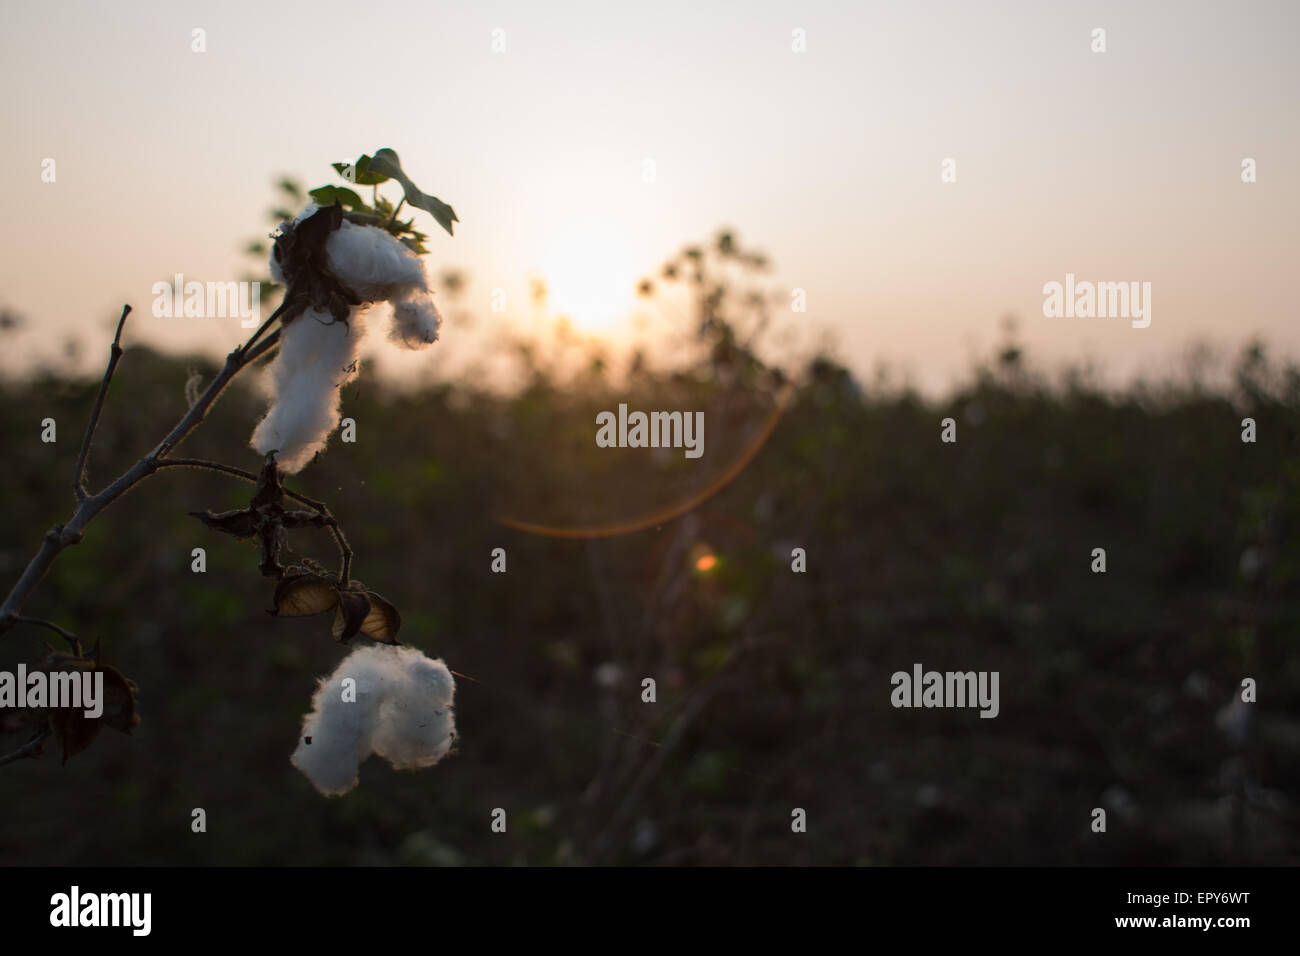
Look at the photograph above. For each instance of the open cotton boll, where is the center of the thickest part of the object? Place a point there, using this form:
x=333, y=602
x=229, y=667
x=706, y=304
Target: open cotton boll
x=377, y=267
x=342, y=724
x=373, y=263
x=368, y=260
x=415, y=726
x=318, y=356
x=415, y=322
x=400, y=708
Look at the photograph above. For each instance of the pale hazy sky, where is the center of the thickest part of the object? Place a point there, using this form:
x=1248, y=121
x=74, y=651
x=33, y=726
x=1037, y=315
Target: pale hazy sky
x=1117, y=166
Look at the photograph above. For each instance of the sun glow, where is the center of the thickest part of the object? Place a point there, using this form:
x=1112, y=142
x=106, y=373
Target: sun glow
x=591, y=277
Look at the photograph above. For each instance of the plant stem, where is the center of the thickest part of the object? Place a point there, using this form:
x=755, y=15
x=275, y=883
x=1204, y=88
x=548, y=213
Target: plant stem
x=30, y=749
x=41, y=622
x=88, y=505
x=114, y=354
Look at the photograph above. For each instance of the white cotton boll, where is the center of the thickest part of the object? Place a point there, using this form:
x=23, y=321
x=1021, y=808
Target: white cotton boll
x=416, y=727
x=317, y=357
x=374, y=264
x=368, y=260
x=415, y=322
x=340, y=727
x=402, y=711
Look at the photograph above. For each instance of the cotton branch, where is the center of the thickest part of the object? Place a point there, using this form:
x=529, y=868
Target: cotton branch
x=32, y=748
x=40, y=622
x=258, y=344
x=115, y=353
x=89, y=505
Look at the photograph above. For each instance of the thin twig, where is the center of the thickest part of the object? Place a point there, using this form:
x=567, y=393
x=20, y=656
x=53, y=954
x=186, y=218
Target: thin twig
x=263, y=347
x=30, y=749
x=205, y=465
x=88, y=505
x=41, y=622
x=345, y=552
x=114, y=354
x=267, y=324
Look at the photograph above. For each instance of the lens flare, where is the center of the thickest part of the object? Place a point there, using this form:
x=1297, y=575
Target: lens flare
x=665, y=514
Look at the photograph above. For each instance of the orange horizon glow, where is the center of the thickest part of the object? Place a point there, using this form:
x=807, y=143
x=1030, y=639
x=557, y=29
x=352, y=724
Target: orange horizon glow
x=595, y=143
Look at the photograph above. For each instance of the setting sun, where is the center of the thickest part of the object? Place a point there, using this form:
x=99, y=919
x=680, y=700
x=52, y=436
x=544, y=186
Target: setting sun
x=591, y=276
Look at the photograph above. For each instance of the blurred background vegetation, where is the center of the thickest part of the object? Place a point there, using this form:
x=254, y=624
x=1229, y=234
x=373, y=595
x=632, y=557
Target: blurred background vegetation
x=773, y=687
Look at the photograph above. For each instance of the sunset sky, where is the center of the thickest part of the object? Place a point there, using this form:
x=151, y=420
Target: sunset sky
x=1115, y=166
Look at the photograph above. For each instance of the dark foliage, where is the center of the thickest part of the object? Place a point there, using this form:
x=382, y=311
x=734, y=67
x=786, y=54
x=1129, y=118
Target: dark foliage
x=773, y=686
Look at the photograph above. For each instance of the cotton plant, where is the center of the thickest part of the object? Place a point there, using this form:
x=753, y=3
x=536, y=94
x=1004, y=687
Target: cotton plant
x=338, y=258
x=365, y=261
x=337, y=265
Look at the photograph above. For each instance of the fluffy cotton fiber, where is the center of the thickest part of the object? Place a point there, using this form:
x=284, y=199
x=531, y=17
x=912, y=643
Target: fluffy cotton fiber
x=402, y=711
x=318, y=356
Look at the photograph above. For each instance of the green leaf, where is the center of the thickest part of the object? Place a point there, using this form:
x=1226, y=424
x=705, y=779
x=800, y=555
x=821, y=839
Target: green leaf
x=327, y=195
x=360, y=173
x=385, y=161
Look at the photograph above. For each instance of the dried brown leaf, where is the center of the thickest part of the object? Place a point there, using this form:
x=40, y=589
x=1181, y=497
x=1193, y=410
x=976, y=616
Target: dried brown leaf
x=73, y=730
x=119, y=700
x=299, y=595
x=351, y=613
x=383, y=622
x=238, y=523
